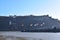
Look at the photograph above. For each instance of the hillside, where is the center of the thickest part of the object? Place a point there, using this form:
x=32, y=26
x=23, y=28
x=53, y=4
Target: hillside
x=29, y=23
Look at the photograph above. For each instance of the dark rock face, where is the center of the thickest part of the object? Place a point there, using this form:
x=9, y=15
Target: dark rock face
x=29, y=24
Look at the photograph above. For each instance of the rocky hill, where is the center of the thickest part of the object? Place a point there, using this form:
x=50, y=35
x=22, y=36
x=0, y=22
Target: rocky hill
x=29, y=23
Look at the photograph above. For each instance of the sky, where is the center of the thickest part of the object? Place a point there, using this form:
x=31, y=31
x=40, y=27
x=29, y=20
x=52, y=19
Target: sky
x=30, y=7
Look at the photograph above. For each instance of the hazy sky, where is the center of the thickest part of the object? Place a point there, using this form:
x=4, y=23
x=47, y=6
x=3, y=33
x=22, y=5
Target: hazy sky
x=30, y=7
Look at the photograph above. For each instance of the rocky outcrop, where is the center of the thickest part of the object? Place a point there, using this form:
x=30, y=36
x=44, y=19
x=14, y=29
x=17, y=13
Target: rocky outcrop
x=29, y=23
